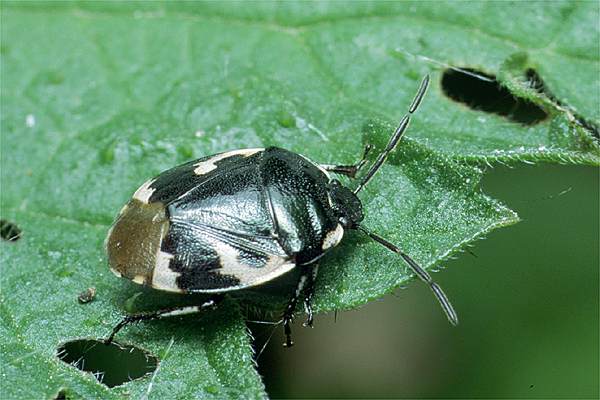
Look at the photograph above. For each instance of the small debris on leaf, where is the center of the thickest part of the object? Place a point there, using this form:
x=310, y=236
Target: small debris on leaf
x=87, y=295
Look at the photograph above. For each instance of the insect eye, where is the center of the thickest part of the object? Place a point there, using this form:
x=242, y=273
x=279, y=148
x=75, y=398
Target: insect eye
x=346, y=204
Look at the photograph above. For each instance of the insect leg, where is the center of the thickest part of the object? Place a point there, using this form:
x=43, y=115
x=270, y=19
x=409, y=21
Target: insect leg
x=167, y=312
x=288, y=314
x=349, y=170
x=421, y=273
x=309, y=292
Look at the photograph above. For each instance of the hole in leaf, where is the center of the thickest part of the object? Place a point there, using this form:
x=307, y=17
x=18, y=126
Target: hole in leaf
x=537, y=83
x=9, y=231
x=481, y=91
x=112, y=364
x=61, y=395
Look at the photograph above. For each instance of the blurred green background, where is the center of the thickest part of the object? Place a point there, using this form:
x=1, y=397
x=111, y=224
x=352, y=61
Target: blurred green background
x=527, y=298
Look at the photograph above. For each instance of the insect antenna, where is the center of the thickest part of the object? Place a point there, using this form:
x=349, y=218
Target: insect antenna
x=421, y=273
x=396, y=136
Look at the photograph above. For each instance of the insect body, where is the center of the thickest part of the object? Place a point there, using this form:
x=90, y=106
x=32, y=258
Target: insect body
x=242, y=218
x=226, y=222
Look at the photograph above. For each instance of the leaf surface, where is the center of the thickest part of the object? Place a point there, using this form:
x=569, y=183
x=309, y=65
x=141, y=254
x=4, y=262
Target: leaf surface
x=97, y=97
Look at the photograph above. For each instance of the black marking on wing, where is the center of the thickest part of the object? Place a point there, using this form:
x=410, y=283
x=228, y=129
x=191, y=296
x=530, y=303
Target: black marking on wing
x=176, y=182
x=196, y=262
x=199, y=264
x=171, y=183
x=198, y=190
x=230, y=200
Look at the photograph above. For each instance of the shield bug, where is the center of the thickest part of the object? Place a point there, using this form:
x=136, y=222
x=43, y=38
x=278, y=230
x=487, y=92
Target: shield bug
x=242, y=218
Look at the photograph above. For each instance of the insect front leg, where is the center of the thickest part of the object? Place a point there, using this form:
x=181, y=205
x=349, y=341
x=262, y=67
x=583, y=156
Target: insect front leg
x=305, y=285
x=349, y=170
x=167, y=312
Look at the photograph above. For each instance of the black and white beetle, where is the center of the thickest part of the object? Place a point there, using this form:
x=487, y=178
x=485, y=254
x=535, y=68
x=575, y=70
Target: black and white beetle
x=242, y=218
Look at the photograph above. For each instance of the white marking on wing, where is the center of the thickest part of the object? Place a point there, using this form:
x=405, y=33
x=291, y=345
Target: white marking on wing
x=204, y=167
x=144, y=192
x=248, y=275
x=164, y=278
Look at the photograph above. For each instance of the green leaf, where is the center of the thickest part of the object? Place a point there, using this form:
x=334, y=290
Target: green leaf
x=98, y=96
